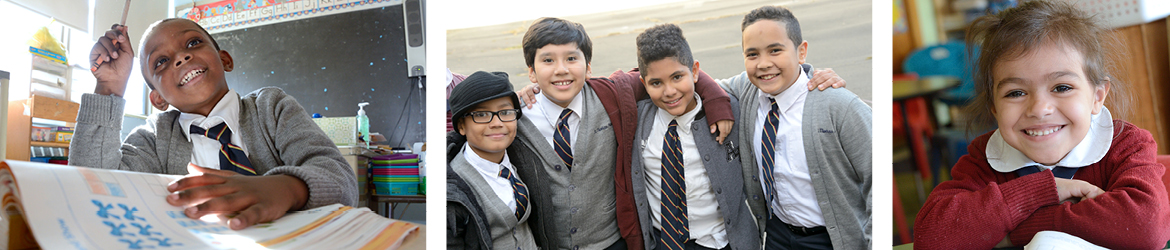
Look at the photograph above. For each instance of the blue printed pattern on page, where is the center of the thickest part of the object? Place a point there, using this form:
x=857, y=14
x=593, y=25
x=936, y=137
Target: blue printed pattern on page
x=136, y=232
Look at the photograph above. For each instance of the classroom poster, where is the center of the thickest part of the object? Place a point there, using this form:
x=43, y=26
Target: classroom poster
x=230, y=15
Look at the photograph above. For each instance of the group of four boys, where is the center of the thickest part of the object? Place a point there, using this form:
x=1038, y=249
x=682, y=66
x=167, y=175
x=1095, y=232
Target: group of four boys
x=626, y=162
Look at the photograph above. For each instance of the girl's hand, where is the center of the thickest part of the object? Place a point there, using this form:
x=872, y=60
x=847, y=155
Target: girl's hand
x=251, y=199
x=1067, y=189
x=111, y=60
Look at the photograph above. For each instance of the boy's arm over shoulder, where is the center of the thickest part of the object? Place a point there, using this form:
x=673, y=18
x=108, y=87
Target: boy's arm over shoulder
x=97, y=138
x=715, y=100
x=306, y=151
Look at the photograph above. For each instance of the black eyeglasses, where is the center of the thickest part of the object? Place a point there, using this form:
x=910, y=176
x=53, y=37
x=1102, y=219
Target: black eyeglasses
x=506, y=115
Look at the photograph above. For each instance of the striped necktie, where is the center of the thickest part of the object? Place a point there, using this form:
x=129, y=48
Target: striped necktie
x=561, y=139
x=675, y=225
x=519, y=190
x=768, y=152
x=231, y=157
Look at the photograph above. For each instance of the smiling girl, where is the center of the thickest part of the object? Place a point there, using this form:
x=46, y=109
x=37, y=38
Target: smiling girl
x=1058, y=160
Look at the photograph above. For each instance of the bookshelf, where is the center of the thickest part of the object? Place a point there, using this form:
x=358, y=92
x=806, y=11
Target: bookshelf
x=19, y=124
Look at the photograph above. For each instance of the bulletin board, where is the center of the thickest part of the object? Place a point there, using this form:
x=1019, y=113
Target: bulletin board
x=331, y=63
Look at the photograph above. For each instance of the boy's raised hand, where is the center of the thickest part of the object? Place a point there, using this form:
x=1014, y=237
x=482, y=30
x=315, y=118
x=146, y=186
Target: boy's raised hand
x=253, y=199
x=111, y=60
x=824, y=78
x=528, y=95
x=1071, y=190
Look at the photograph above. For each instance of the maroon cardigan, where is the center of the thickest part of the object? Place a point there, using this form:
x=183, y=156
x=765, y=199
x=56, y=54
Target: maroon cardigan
x=981, y=206
x=619, y=94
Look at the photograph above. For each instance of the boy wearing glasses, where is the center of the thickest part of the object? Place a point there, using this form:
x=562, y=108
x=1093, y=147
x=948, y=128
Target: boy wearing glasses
x=487, y=203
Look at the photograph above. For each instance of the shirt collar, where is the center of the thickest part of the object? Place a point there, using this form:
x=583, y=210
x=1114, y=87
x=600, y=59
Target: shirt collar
x=684, y=120
x=553, y=111
x=1005, y=158
x=227, y=110
x=485, y=165
x=787, y=98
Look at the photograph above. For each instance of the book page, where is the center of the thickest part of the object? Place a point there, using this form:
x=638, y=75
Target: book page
x=1054, y=240
x=84, y=208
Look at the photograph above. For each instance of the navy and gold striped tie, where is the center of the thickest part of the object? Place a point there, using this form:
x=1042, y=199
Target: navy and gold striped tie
x=519, y=190
x=675, y=225
x=561, y=139
x=231, y=157
x=768, y=151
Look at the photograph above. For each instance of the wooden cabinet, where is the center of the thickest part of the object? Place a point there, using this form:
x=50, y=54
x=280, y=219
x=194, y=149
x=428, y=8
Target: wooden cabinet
x=18, y=134
x=1143, y=66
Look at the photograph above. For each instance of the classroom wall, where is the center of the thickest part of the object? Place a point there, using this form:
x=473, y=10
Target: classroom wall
x=331, y=63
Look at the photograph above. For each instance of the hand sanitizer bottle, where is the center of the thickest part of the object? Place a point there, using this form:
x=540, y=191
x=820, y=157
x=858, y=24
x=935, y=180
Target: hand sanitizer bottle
x=363, y=124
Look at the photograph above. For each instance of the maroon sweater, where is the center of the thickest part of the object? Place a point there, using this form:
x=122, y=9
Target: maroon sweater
x=981, y=206
x=619, y=94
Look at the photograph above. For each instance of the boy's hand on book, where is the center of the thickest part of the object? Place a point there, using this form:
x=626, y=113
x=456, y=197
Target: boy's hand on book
x=825, y=78
x=1070, y=190
x=111, y=60
x=254, y=199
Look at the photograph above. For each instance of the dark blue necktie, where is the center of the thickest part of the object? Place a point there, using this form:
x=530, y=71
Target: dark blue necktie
x=561, y=139
x=519, y=190
x=768, y=152
x=1060, y=172
x=675, y=225
x=231, y=157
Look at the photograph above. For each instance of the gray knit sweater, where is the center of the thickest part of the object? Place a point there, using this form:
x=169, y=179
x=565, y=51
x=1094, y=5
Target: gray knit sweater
x=280, y=136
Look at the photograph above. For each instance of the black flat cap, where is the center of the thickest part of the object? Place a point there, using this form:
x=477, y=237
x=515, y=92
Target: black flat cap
x=478, y=88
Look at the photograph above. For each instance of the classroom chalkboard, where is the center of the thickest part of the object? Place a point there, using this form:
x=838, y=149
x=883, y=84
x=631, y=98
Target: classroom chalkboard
x=331, y=63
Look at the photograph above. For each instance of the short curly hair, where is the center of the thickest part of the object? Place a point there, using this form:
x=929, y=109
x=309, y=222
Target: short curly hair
x=661, y=42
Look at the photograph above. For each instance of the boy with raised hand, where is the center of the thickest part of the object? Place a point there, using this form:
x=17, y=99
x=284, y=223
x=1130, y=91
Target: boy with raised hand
x=694, y=203
x=256, y=156
x=810, y=150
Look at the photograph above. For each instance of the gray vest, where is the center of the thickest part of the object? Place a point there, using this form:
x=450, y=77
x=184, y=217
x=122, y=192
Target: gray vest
x=584, y=201
x=507, y=232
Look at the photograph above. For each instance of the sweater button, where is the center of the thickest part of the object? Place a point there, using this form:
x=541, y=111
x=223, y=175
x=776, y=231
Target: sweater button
x=754, y=178
x=557, y=167
x=571, y=187
x=755, y=197
x=573, y=230
x=706, y=158
x=719, y=191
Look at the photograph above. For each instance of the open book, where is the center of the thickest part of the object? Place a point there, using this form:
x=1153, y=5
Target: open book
x=63, y=207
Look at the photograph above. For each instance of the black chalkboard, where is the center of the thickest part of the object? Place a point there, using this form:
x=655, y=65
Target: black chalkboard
x=331, y=63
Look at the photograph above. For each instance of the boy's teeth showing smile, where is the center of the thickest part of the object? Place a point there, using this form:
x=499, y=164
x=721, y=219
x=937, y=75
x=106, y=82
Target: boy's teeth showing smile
x=672, y=103
x=768, y=77
x=1042, y=131
x=562, y=83
x=191, y=75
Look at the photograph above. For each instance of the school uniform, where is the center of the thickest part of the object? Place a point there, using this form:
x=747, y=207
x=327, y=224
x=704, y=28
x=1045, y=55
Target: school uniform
x=277, y=133
x=997, y=192
x=718, y=215
x=822, y=153
x=496, y=205
x=583, y=208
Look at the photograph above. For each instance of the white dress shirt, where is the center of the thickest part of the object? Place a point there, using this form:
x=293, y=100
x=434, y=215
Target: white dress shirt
x=490, y=171
x=796, y=200
x=204, y=150
x=706, y=224
x=548, y=113
x=1005, y=158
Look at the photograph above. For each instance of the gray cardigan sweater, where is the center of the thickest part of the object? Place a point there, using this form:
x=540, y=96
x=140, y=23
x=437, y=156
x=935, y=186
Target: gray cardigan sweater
x=837, y=134
x=280, y=136
x=742, y=232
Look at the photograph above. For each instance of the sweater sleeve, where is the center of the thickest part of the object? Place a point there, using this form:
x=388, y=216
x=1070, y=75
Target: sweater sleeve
x=716, y=102
x=308, y=154
x=97, y=138
x=977, y=208
x=855, y=132
x=1131, y=214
